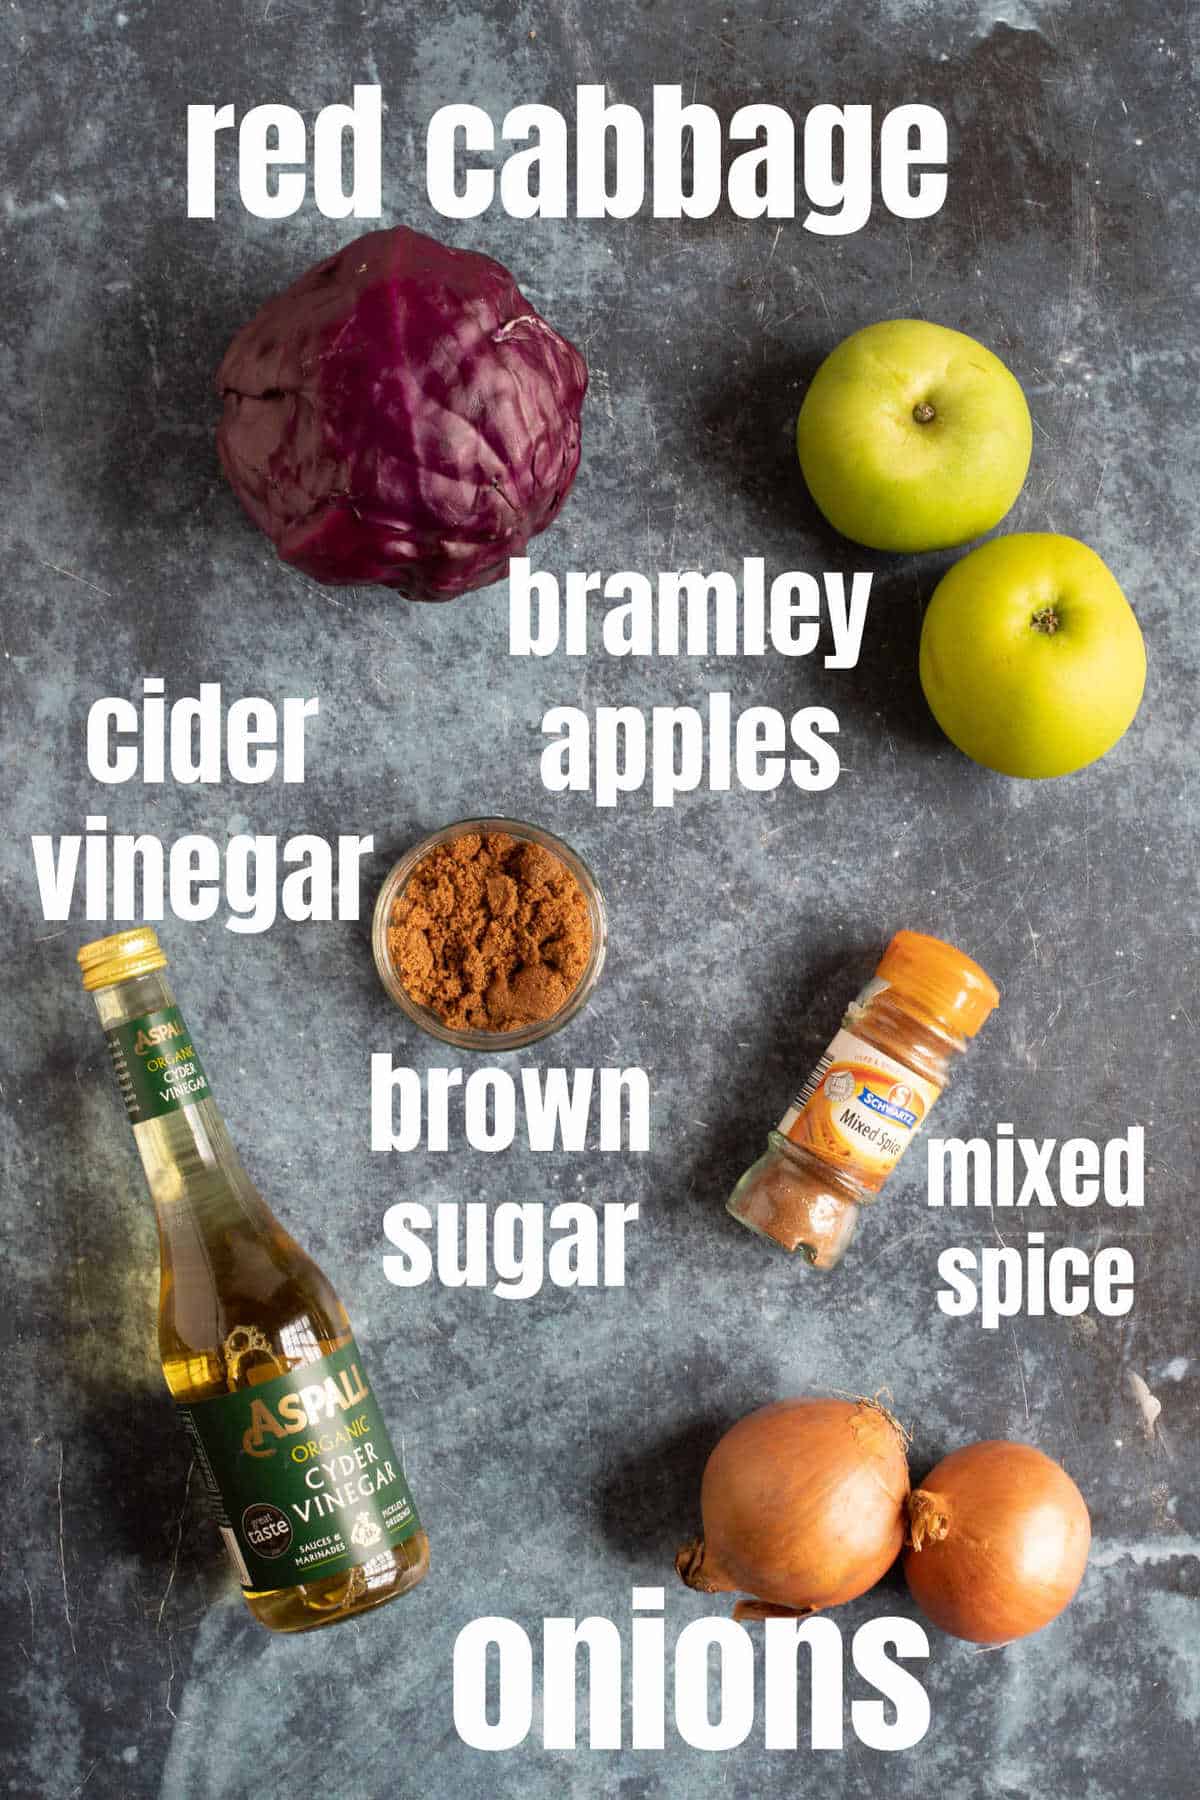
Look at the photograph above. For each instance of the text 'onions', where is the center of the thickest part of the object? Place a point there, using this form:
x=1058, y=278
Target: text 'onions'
x=803, y=1506
x=999, y=1538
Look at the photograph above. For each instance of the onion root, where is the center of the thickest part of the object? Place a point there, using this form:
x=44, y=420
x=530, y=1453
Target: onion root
x=873, y=1403
x=750, y=1612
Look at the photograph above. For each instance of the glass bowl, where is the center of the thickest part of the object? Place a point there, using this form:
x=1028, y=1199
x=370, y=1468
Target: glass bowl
x=467, y=1039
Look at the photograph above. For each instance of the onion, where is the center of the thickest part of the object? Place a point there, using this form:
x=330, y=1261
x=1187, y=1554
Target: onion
x=803, y=1506
x=999, y=1538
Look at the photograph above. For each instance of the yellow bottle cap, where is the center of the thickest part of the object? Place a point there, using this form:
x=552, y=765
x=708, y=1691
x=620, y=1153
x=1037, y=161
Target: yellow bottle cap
x=120, y=957
x=941, y=980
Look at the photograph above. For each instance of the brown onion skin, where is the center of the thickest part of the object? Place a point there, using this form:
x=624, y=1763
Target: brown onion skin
x=1017, y=1534
x=803, y=1504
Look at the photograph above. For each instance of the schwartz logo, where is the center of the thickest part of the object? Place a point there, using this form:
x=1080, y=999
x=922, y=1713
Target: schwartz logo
x=889, y=1109
x=145, y=1041
x=302, y=1410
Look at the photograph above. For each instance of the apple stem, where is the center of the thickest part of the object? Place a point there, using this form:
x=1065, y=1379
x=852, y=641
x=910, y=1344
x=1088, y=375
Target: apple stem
x=924, y=413
x=1045, y=620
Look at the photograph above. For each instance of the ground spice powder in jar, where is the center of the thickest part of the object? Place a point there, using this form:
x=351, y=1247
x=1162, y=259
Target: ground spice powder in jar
x=491, y=933
x=871, y=1091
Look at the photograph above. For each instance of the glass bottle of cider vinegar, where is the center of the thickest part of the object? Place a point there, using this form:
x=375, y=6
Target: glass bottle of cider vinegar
x=257, y=1351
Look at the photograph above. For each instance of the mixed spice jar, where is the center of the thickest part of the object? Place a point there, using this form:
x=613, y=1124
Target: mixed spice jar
x=858, y=1111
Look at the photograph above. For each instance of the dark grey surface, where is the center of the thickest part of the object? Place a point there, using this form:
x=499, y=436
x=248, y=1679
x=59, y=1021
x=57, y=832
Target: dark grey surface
x=555, y=1445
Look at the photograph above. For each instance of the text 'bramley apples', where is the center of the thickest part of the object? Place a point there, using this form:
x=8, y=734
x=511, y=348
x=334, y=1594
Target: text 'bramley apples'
x=401, y=415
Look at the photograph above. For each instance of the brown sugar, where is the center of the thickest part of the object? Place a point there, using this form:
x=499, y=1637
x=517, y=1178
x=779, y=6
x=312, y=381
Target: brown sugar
x=490, y=933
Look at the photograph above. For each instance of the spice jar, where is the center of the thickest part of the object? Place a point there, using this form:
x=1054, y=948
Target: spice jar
x=858, y=1111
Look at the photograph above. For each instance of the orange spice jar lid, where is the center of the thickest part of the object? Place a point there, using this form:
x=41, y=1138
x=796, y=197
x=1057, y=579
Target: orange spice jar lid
x=942, y=981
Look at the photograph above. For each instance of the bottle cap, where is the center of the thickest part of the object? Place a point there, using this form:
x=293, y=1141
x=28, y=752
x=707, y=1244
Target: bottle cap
x=120, y=958
x=941, y=980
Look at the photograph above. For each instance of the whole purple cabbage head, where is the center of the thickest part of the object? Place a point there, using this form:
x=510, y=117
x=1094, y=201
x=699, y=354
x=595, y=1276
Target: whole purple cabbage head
x=401, y=415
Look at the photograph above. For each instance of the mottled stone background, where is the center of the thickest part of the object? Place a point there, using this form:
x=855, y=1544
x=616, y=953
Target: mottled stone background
x=555, y=1445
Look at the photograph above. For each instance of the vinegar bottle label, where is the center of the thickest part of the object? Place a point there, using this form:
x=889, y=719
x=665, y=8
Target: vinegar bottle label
x=301, y=1473
x=157, y=1066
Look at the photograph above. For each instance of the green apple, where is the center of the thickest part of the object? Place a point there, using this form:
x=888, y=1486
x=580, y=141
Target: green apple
x=1031, y=658
x=913, y=437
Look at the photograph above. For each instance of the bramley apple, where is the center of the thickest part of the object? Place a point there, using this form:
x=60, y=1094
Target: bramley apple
x=1031, y=658
x=913, y=437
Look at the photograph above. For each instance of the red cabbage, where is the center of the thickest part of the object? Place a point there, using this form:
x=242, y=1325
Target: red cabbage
x=401, y=415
